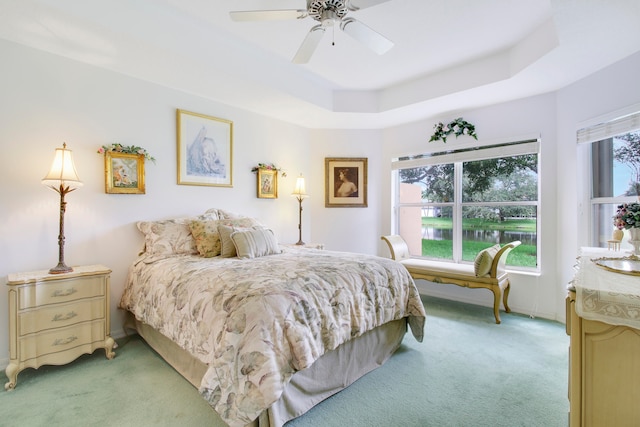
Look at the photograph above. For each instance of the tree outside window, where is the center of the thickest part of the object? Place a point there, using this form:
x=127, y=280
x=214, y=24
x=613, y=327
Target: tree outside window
x=498, y=203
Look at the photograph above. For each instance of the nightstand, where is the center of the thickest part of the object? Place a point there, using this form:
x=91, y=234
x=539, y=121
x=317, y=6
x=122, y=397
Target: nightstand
x=305, y=246
x=55, y=318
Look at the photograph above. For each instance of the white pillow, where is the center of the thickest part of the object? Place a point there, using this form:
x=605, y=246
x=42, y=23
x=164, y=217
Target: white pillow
x=484, y=260
x=222, y=214
x=227, y=247
x=255, y=243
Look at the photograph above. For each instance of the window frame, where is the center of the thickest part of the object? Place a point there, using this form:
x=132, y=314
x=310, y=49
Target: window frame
x=600, y=128
x=461, y=154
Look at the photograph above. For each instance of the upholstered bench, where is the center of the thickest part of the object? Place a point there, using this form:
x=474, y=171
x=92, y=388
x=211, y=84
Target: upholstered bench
x=487, y=271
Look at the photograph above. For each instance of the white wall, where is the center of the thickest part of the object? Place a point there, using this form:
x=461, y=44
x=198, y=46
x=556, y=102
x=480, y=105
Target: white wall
x=509, y=121
x=564, y=216
x=348, y=229
x=46, y=100
x=587, y=102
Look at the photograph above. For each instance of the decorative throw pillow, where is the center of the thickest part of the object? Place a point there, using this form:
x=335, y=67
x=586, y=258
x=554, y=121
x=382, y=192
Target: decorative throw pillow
x=228, y=248
x=168, y=237
x=255, y=243
x=484, y=259
x=207, y=235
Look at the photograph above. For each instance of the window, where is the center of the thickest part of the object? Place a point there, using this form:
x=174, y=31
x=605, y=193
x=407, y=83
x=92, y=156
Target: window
x=451, y=205
x=615, y=179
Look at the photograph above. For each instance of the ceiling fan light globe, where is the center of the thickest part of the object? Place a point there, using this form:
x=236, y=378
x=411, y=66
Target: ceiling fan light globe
x=329, y=18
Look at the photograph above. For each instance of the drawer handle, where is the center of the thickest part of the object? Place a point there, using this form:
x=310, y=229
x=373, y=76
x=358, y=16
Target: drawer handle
x=64, y=293
x=66, y=341
x=63, y=317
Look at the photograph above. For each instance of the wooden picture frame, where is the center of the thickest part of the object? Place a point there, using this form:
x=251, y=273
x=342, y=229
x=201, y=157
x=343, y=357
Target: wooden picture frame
x=124, y=173
x=345, y=182
x=267, y=184
x=205, y=150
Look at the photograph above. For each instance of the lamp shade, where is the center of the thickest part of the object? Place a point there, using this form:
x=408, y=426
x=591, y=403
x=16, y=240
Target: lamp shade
x=63, y=171
x=299, y=190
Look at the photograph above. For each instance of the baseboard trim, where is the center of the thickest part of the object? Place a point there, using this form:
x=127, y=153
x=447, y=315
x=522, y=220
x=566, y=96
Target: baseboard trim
x=484, y=299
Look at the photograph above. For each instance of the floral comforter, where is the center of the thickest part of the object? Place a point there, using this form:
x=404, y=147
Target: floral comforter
x=255, y=322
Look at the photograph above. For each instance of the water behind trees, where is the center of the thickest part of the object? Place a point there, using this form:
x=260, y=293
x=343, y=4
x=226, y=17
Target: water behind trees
x=488, y=236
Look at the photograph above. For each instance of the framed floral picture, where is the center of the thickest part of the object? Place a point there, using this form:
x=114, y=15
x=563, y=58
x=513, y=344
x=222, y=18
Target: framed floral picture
x=124, y=173
x=345, y=182
x=205, y=147
x=267, y=184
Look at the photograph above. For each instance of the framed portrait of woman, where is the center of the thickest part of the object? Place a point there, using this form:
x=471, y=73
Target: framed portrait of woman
x=345, y=182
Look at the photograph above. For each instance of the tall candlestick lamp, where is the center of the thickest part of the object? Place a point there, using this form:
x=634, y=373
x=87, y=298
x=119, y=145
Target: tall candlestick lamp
x=300, y=193
x=63, y=179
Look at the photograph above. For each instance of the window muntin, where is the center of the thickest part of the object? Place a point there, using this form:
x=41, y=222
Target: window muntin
x=465, y=206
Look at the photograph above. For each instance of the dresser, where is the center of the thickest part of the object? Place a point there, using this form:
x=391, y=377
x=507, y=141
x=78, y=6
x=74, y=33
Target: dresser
x=55, y=318
x=603, y=321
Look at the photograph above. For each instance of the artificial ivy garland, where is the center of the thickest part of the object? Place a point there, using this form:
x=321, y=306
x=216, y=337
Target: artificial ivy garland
x=457, y=127
x=126, y=149
x=269, y=166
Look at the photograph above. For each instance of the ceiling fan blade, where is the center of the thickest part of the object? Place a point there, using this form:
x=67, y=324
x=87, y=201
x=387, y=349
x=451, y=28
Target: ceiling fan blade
x=365, y=35
x=268, y=15
x=353, y=5
x=309, y=45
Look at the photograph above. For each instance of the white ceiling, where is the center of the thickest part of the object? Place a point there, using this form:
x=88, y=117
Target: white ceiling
x=449, y=55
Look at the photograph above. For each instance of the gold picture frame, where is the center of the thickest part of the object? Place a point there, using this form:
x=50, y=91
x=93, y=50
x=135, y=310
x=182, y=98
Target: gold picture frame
x=345, y=182
x=205, y=150
x=124, y=173
x=267, y=184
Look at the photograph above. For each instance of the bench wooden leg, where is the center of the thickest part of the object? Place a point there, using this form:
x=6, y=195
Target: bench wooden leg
x=496, y=303
x=505, y=297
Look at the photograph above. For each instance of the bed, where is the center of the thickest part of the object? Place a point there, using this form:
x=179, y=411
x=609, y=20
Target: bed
x=264, y=332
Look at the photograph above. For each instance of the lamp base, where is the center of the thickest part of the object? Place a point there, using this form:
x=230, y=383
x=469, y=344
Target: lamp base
x=60, y=268
x=300, y=243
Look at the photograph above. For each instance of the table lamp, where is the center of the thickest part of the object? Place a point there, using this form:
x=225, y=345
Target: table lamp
x=299, y=193
x=63, y=179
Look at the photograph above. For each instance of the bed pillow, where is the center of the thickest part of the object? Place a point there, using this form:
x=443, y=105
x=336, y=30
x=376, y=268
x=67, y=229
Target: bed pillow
x=255, y=243
x=227, y=247
x=222, y=214
x=207, y=235
x=168, y=237
x=484, y=259
x=211, y=214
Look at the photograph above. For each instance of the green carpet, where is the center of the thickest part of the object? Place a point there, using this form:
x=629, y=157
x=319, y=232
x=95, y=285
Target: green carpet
x=467, y=372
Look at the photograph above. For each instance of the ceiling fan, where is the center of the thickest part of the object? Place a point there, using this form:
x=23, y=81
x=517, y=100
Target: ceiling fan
x=330, y=13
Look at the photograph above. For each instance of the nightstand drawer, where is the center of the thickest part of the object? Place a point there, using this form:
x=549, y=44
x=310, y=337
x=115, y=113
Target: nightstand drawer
x=60, y=315
x=60, y=291
x=59, y=340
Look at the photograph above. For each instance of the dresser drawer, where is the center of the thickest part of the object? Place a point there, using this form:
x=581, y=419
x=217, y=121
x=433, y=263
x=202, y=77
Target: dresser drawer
x=60, y=315
x=60, y=291
x=60, y=340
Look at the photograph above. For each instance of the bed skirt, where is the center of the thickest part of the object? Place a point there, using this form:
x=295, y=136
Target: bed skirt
x=331, y=373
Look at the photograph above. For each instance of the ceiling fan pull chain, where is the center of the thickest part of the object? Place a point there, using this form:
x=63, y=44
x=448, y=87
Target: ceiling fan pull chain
x=333, y=35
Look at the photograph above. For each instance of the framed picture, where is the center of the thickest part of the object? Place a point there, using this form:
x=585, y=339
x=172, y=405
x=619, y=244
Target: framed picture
x=124, y=173
x=205, y=146
x=267, y=184
x=345, y=182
